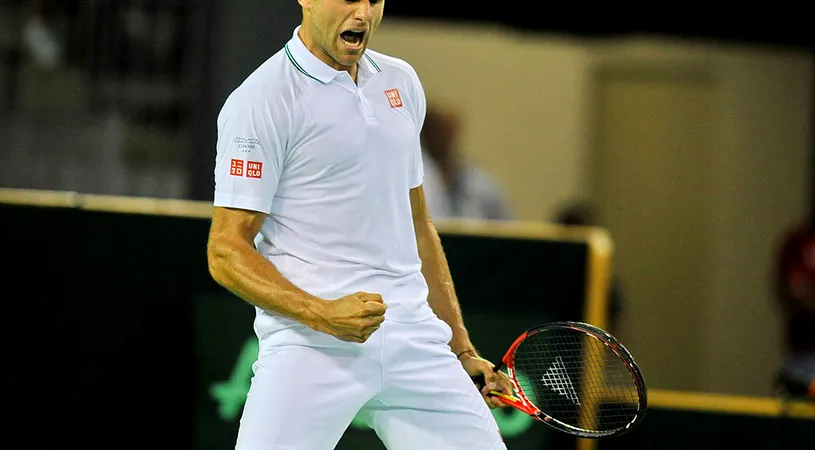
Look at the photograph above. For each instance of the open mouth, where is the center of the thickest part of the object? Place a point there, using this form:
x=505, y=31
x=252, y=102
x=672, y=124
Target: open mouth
x=352, y=38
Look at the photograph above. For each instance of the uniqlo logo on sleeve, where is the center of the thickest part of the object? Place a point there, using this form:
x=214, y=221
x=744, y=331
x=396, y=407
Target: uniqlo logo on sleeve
x=254, y=169
x=394, y=98
x=236, y=168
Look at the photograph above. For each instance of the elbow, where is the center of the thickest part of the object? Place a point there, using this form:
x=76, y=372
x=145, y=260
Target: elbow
x=217, y=261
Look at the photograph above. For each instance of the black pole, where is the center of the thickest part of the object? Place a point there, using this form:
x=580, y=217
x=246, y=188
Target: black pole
x=241, y=35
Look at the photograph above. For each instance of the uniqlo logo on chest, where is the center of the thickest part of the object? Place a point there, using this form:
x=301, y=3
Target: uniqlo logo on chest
x=236, y=168
x=254, y=169
x=394, y=98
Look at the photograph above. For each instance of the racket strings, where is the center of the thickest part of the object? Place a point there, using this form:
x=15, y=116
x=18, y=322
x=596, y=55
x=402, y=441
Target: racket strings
x=577, y=380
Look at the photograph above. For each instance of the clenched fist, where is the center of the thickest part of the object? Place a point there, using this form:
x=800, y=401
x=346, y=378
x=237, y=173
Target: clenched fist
x=353, y=318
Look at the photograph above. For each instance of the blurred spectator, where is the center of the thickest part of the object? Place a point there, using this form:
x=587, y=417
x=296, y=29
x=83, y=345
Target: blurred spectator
x=795, y=291
x=581, y=215
x=455, y=187
x=40, y=41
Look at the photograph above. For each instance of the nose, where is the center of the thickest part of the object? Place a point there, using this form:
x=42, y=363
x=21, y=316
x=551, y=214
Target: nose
x=363, y=11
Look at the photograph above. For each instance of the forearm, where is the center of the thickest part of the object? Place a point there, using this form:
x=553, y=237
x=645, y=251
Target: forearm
x=238, y=267
x=442, y=295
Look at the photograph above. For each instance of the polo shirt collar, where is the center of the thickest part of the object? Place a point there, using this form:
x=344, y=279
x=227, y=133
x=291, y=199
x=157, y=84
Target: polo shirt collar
x=311, y=66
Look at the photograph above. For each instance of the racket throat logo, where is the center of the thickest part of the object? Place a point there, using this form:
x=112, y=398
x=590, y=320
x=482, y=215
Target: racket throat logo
x=557, y=379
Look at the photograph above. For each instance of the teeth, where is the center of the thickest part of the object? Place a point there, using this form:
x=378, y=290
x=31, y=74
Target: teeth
x=352, y=37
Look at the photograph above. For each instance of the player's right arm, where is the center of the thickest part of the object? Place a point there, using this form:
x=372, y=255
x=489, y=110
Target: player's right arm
x=236, y=265
x=252, y=141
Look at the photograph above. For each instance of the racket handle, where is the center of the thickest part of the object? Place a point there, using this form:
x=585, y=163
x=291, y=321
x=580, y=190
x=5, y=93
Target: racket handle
x=510, y=400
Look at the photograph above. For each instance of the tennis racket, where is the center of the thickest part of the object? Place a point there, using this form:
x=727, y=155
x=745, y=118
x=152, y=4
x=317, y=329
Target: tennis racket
x=576, y=378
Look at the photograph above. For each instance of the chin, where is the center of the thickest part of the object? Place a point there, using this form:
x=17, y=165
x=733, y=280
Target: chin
x=349, y=60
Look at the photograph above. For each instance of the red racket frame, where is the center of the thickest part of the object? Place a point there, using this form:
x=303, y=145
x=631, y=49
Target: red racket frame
x=521, y=402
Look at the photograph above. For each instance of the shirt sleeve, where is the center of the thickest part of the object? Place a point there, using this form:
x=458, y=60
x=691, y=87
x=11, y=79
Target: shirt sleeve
x=416, y=176
x=250, y=152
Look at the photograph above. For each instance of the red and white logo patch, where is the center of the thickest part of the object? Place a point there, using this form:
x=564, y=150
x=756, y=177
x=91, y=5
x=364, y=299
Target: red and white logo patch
x=236, y=168
x=254, y=169
x=394, y=98
x=248, y=169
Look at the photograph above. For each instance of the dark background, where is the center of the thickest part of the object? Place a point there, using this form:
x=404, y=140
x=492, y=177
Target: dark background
x=772, y=24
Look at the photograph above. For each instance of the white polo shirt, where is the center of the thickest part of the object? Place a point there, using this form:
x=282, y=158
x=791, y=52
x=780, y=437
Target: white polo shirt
x=332, y=164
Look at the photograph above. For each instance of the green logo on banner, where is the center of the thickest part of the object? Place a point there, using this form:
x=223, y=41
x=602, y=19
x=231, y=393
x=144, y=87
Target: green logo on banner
x=231, y=394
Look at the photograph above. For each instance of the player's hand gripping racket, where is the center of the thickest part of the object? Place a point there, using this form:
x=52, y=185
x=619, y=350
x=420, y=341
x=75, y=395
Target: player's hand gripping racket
x=576, y=378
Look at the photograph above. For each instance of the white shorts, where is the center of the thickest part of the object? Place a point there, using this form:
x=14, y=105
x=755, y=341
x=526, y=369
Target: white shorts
x=404, y=382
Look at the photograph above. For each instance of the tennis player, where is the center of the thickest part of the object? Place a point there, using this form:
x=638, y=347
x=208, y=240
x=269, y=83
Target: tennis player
x=320, y=223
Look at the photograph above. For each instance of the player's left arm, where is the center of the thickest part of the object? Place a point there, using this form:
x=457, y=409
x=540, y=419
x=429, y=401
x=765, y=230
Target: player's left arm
x=442, y=296
x=444, y=302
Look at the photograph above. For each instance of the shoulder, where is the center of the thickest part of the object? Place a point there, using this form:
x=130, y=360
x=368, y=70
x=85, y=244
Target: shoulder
x=272, y=81
x=394, y=67
x=270, y=89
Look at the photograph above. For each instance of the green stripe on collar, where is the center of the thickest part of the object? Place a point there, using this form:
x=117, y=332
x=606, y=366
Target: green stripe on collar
x=297, y=65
